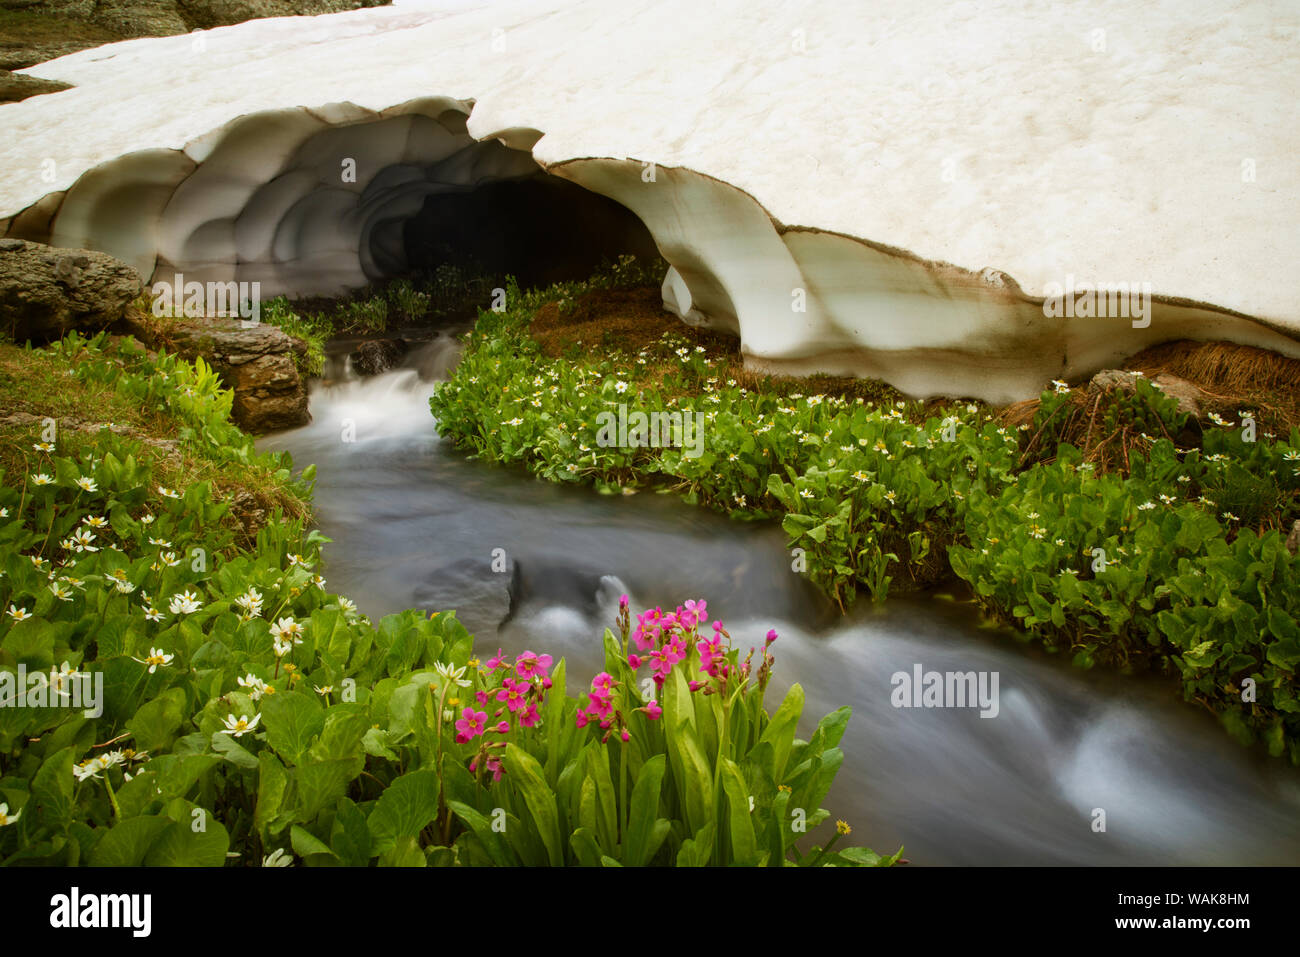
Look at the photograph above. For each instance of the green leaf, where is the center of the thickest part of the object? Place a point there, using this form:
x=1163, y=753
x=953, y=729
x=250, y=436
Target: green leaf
x=405, y=808
x=585, y=848
x=744, y=847
x=349, y=836
x=526, y=774
x=697, y=779
x=127, y=843
x=292, y=720
x=320, y=785
x=52, y=791
x=497, y=848
x=305, y=843
x=155, y=723
x=641, y=845
x=181, y=846
x=780, y=731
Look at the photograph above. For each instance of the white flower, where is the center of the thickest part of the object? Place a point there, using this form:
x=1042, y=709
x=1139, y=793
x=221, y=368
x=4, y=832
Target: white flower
x=18, y=614
x=87, y=484
x=167, y=492
x=61, y=681
x=251, y=602
x=95, y=521
x=1059, y=387
x=185, y=603
x=328, y=689
x=6, y=818
x=153, y=614
x=156, y=658
x=42, y=479
x=278, y=858
x=620, y=387
x=255, y=685
x=237, y=727
x=1146, y=506
x=449, y=673
x=347, y=606
x=281, y=648
x=146, y=518
x=61, y=592
x=286, y=629
x=805, y=493
x=124, y=587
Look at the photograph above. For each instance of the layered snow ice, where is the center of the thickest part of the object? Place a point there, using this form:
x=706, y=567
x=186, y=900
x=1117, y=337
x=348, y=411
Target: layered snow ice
x=881, y=189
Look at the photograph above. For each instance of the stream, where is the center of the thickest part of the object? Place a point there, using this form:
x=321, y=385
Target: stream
x=415, y=523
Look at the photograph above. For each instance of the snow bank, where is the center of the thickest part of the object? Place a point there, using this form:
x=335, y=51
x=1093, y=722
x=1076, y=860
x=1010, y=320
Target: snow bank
x=1096, y=142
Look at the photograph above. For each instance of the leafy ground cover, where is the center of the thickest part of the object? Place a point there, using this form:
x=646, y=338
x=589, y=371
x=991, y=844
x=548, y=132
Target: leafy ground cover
x=1157, y=543
x=172, y=696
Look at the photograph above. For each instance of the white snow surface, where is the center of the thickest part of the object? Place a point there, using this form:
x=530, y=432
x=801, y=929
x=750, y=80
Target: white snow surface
x=1110, y=140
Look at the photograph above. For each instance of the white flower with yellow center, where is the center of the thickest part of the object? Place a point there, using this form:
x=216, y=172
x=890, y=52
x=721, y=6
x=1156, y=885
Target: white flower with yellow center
x=42, y=479
x=18, y=614
x=237, y=727
x=168, y=492
x=255, y=685
x=95, y=521
x=6, y=818
x=155, y=659
x=87, y=484
x=185, y=603
x=286, y=629
x=452, y=674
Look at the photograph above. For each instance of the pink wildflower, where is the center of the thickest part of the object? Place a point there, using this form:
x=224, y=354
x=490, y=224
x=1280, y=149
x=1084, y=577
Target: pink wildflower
x=471, y=724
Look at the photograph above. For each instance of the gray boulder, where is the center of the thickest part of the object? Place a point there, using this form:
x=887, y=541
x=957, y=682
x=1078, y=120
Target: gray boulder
x=45, y=292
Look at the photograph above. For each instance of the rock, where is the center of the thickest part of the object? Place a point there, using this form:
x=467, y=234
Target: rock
x=1293, y=540
x=377, y=355
x=90, y=23
x=1188, y=395
x=256, y=361
x=483, y=599
x=18, y=86
x=45, y=292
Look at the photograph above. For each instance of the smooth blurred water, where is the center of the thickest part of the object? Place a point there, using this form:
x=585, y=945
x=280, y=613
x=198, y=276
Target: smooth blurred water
x=415, y=523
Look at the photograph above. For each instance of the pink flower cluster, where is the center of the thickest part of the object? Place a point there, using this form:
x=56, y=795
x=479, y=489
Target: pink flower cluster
x=662, y=640
x=516, y=699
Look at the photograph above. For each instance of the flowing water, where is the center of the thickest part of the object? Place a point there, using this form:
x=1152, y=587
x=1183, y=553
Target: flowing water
x=416, y=524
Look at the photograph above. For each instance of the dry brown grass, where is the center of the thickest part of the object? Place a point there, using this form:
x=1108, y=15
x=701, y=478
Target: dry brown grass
x=1232, y=378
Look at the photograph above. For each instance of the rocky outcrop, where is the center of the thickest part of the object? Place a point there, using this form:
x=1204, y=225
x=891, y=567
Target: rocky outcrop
x=108, y=20
x=377, y=355
x=46, y=292
x=1188, y=395
x=258, y=362
x=19, y=86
